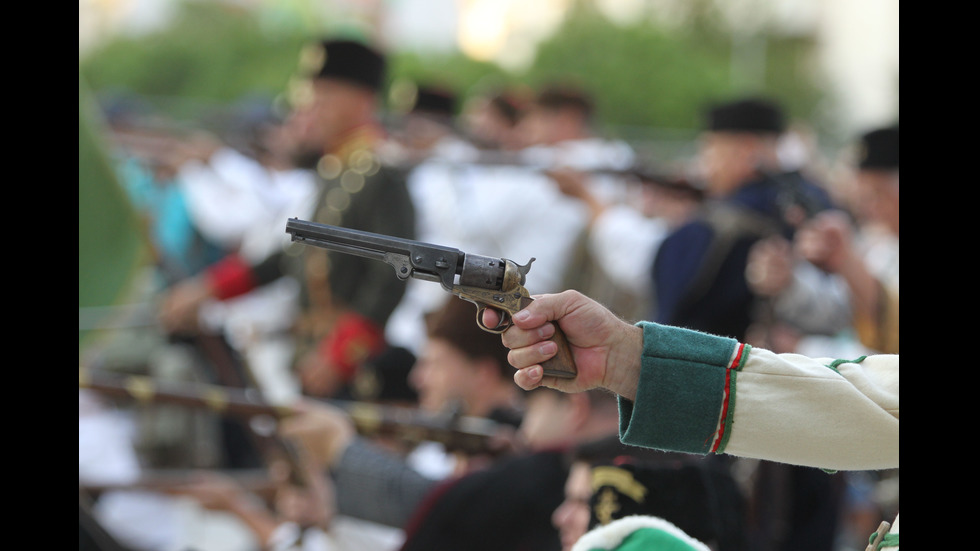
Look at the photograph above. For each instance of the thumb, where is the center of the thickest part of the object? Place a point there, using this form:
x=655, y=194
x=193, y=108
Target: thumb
x=543, y=308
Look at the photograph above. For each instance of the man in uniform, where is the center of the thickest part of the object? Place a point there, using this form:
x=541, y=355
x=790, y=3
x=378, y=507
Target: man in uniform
x=345, y=300
x=350, y=298
x=699, y=270
x=866, y=256
x=699, y=282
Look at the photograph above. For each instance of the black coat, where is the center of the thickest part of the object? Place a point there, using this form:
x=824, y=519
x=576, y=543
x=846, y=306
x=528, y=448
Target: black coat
x=506, y=507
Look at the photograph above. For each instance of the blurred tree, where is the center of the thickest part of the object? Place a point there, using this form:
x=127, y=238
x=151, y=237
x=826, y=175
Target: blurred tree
x=212, y=52
x=646, y=74
x=461, y=74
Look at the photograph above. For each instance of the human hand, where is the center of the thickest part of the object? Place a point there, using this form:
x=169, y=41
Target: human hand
x=825, y=241
x=606, y=350
x=769, y=269
x=573, y=183
x=311, y=501
x=213, y=490
x=321, y=432
x=317, y=375
x=180, y=306
x=570, y=182
x=307, y=506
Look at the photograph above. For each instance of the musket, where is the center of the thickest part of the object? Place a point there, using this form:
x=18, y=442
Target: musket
x=256, y=481
x=485, y=281
x=793, y=199
x=239, y=402
x=514, y=160
x=467, y=434
x=244, y=403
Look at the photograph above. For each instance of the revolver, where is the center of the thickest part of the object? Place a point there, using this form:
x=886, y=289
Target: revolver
x=485, y=281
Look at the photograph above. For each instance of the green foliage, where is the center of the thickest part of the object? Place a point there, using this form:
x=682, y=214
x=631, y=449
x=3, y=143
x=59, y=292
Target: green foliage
x=791, y=77
x=461, y=74
x=636, y=73
x=210, y=53
x=643, y=75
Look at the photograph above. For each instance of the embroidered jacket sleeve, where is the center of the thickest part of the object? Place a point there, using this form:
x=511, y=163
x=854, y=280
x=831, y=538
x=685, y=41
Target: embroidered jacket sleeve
x=699, y=393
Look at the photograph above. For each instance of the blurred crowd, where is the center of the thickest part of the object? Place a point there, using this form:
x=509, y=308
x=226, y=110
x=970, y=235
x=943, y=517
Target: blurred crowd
x=760, y=237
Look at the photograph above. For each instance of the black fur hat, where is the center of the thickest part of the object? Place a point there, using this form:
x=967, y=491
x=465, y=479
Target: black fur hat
x=757, y=115
x=348, y=60
x=879, y=149
x=435, y=101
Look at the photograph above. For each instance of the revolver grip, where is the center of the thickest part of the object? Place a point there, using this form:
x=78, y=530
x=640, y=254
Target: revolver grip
x=562, y=364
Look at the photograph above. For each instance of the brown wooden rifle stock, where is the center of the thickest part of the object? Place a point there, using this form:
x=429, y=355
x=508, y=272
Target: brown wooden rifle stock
x=466, y=434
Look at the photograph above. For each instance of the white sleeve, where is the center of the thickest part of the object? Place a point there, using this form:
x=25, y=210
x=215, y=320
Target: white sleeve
x=795, y=409
x=220, y=195
x=815, y=302
x=624, y=242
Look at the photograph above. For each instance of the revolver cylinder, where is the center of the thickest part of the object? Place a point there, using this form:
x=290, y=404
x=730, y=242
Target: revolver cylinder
x=484, y=272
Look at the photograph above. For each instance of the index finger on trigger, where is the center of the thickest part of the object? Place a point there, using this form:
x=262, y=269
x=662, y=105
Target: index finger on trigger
x=491, y=317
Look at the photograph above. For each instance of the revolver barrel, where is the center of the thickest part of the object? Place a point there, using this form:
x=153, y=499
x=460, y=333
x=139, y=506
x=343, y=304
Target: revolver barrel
x=412, y=258
x=409, y=258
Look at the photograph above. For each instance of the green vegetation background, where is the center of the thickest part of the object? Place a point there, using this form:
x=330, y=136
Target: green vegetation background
x=650, y=81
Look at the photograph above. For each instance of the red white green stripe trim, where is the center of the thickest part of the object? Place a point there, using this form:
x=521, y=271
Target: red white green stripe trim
x=728, y=405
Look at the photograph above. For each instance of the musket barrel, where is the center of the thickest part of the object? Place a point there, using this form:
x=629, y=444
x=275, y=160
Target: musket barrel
x=143, y=389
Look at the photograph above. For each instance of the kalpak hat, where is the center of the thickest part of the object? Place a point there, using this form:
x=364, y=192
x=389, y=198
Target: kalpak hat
x=348, y=60
x=879, y=149
x=434, y=101
x=756, y=115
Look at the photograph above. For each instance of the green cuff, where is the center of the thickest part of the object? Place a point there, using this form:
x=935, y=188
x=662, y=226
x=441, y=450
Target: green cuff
x=681, y=390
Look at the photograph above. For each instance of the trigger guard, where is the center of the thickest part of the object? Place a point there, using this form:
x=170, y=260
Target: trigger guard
x=505, y=321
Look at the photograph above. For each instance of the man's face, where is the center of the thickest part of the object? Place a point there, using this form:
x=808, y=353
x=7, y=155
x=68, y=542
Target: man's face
x=571, y=518
x=296, y=140
x=535, y=127
x=328, y=111
x=549, y=126
x=442, y=375
x=877, y=197
x=546, y=420
x=728, y=159
x=487, y=124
